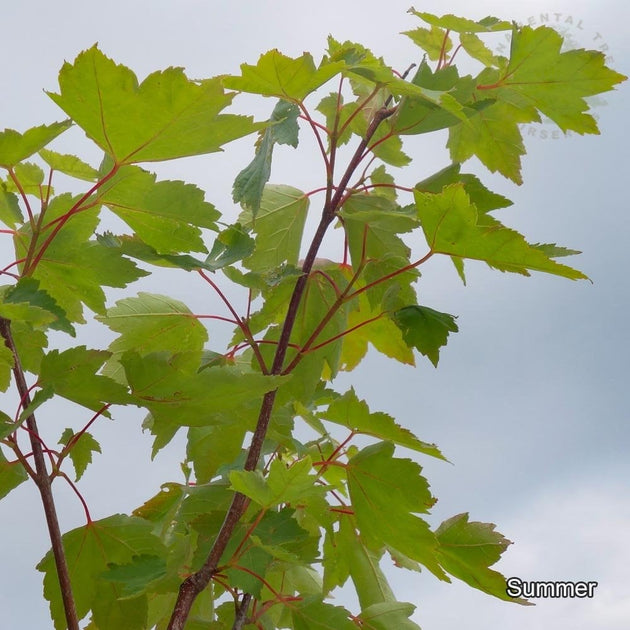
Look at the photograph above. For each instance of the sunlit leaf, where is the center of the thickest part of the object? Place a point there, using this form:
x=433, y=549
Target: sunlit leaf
x=166, y=116
x=12, y=474
x=16, y=146
x=353, y=413
x=452, y=225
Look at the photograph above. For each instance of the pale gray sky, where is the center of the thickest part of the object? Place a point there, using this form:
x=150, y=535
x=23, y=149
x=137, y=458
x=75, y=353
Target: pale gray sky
x=530, y=400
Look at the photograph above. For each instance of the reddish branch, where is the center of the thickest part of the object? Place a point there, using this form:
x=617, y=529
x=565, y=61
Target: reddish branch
x=43, y=483
x=193, y=585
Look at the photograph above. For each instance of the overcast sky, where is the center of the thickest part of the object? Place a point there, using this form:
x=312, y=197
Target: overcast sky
x=530, y=400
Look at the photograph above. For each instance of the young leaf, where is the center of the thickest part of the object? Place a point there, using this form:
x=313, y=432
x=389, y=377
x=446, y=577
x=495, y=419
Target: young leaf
x=16, y=146
x=165, y=117
x=467, y=550
x=425, y=329
x=452, y=225
x=81, y=450
x=277, y=75
x=7, y=363
x=451, y=22
x=351, y=412
x=284, y=484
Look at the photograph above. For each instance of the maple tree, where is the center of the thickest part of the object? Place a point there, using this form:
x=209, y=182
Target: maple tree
x=264, y=526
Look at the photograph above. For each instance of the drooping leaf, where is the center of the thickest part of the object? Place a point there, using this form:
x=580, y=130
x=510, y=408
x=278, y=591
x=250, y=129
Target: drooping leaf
x=230, y=246
x=351, y=412
x=165, y=117
x=278, y=225
x=10, y=212
x=313, y=614
x=89, y=552
x=12, y=474
x=26, y=302
x=277, y=75
x=250, y=182
x=452, y=225
x=386, y=494
x=16, y=146
x=73, y=374
x=81, y=450
x=389, y=615
x=468, y=549
x=425, y=329
x=7, y=363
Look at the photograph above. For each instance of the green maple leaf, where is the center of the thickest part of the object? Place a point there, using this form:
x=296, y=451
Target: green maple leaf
x=451, y=22
x=166, y=215
x=69, y=165
x=313, y=614
x=10, y=212
x=284, y=484
x=165, y=117
x=74, y=268
x=90, y=550
x=425, y=329
x=152, y=323
x=27, y=303
x=468, y=549
x=81, y=451
x=72, y=374
x=279, y=225
x=16, y=146
x=177, y=395
x=277, y=75
x=555, y=83
x=452, y=225
x=351, y=412
x=493, y=135
x=12, y=474
x=250, y=182
x=386, y=494
x=388, y=615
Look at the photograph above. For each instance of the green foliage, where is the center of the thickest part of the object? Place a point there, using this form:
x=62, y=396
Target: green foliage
x=267, y=523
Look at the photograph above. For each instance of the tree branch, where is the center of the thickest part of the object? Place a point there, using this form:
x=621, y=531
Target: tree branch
x=43, y=482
